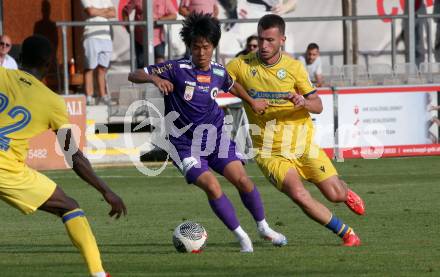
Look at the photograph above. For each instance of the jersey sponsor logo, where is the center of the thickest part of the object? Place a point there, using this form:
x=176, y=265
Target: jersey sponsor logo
x=281, y=74
x=214, y=92
x=188, y=163
x=204, y=89
x=274, y=98
x=161, y=69
x=190, y=83
x=268, y=94
x=189, y=92
x=204, y=79
x=218, y=72
x=187, y=66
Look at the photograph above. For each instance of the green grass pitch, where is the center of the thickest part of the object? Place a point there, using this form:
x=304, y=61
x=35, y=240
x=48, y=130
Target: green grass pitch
x=400, y=233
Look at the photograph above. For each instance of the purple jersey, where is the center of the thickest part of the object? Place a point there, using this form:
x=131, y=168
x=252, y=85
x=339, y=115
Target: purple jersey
x=194, y=93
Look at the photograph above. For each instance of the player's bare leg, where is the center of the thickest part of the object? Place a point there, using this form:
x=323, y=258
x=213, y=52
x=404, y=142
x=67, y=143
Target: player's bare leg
x=295, y=190
x=235, y=173
x=102, y=88
x=222, y=207
x=77, y=227
x=336, y=190
x=88, y=85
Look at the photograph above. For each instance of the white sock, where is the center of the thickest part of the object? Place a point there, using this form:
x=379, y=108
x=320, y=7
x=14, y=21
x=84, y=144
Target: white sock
x=99, y=274
x=240, y=233
x=244, y=240
x=262, y=224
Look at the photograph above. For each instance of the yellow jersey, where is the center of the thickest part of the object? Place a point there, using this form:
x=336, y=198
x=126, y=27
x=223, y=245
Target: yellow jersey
x=27, y=108
x=282, y=128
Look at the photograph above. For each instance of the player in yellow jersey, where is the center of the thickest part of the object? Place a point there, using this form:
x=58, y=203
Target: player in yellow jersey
x=28, y=108
x=278, y=99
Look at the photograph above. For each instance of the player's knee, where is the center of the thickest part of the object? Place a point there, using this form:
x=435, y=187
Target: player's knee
x=337, y=193
x=213, y=190
x=334, y=189
x=70, y=204
x=244, y=184
x=301, y=197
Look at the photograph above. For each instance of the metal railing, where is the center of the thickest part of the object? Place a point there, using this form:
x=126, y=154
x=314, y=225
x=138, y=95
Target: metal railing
x=168, y=23
x=343, y=19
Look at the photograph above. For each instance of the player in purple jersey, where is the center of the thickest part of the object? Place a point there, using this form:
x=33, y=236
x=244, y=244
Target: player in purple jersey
x=190, y=88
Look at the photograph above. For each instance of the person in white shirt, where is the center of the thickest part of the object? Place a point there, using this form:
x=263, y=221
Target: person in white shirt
x=312, y=62
x=5, y=46
x=97, y=46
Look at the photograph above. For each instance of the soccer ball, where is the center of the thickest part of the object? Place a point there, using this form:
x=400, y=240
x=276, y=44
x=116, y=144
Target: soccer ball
x=190, y=237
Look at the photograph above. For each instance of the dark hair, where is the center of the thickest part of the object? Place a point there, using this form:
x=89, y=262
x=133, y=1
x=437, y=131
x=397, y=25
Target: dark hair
x=271, y=21
x=312, y=46
x=199, y=25
x=251, y=38
x=36, y=51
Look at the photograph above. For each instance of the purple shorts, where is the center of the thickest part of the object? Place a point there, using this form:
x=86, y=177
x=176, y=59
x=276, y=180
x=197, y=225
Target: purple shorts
x=193, y=164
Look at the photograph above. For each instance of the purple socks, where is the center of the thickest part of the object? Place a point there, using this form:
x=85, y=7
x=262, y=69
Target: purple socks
x=252, y=202
x=224, y=210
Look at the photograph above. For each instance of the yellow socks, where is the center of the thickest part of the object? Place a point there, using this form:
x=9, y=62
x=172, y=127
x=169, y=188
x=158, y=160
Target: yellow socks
x=82, y=237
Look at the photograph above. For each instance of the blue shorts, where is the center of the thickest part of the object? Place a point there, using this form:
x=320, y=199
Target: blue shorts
x=193, y=165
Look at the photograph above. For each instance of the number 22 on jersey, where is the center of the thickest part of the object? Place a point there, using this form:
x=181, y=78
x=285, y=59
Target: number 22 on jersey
x=14, y=127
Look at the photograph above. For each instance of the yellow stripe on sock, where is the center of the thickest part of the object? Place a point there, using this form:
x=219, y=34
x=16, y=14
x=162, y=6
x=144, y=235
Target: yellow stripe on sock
x=72, y=211
x=340, y=230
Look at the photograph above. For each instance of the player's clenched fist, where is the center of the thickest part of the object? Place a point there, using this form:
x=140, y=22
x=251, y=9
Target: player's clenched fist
x=298, y=100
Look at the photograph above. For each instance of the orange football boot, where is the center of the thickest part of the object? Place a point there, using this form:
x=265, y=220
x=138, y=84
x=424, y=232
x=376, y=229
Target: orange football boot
x=355, y=202
x=351, y=239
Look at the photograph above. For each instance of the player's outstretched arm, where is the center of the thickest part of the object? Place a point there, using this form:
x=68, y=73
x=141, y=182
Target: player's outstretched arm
x=82, y=167
x=140, y=76
x=258, y=106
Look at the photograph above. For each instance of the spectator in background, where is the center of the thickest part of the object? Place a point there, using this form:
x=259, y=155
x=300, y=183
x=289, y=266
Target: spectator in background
x=437, y=33
x=162, y=10
x=251, y=46
x=5, y=46
x=420, y=27
x=312, y=62
x=198, y=6
x=431, y=118
x=98, y=47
